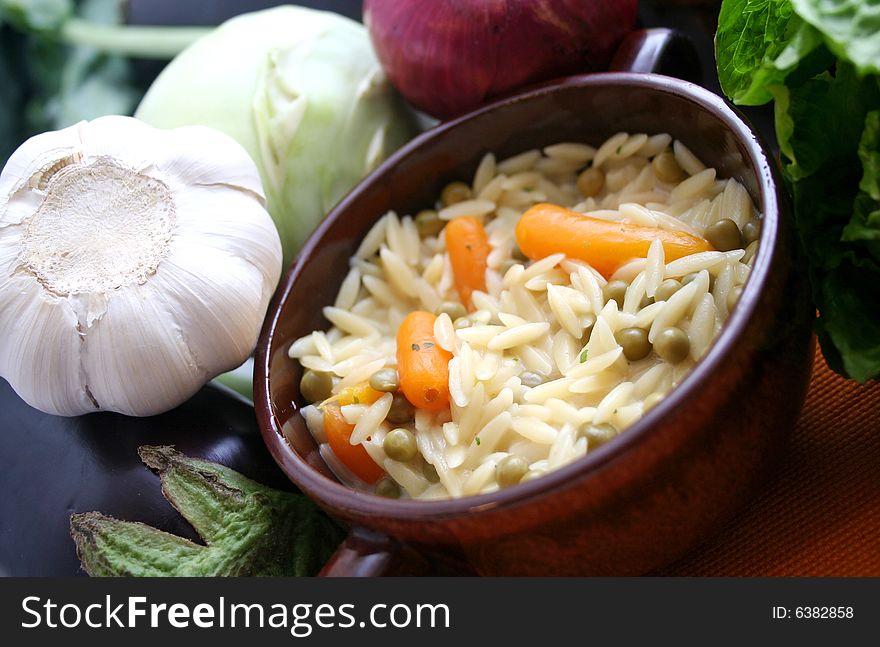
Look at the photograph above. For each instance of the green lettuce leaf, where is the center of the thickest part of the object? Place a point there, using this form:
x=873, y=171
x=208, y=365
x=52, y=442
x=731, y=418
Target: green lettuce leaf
x=46, y=84
x=864, y=226
x=759, y=44
x=819, y=60
x=851, y=29
x=828, y=200
x=819, y=123
x=37, y=15
x=849, y=325
x=831, y=127
x=87, y=83
x=845, y=275
x=869, y=153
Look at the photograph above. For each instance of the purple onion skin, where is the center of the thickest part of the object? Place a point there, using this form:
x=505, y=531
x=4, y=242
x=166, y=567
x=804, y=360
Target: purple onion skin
x=449, y=56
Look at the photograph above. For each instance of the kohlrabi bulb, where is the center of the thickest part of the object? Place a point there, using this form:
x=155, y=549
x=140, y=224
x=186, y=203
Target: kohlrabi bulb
x=302, y=91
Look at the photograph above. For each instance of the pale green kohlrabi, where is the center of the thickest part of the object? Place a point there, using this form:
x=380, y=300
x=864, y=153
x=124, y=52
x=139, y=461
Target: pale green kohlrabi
x=302, y=91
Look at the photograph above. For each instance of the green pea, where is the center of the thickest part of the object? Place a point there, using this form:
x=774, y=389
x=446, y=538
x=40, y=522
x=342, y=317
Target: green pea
x=388, y=488
x=634, y=342
x=430, y=473
x=428, y=223
x=454, y=309
x=590, y=182
x=400, y=445
x=455, y=192
x=724, y=235
x=531, y=379
x=401, y=410
x=615, y=290
x=597, y=435
x=316, y=386
x=751, y=231
x=733, y=297
x=385, y=380
x=666, y=289
x=510, y=470
x=667, y=169
x=672, y=344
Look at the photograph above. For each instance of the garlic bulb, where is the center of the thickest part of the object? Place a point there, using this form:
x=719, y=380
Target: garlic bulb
x=135, y=265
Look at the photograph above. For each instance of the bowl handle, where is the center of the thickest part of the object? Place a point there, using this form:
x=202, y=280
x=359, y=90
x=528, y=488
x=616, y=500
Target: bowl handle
x=365, y=553
x=660, y=51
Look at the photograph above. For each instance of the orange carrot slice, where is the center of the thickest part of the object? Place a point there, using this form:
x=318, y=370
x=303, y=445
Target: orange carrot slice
x=547, y=229
x=355, y=457
x=468, y=247
x=422, y=366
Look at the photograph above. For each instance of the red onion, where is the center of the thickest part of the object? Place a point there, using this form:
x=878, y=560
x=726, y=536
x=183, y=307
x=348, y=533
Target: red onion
x=448, y=56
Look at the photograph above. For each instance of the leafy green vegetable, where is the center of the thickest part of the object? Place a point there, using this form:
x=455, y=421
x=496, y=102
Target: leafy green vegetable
x=823, y=121
x=90, y=83
x=62, y=62
x=248, y=529
x=851, y=29
x=865, y=223
x=819, y=60
x=58, y=85
x=851, y=328
x=38, y=15
x=869, y=153
x=759, y=43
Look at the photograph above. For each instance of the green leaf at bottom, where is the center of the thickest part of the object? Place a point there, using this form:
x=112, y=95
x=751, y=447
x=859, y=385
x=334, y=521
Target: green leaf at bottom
x=248, y=529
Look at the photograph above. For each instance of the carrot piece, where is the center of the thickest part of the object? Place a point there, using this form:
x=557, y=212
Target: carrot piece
x=468, y=247
x=423, y=367
x=547, y=229
x=355, y=457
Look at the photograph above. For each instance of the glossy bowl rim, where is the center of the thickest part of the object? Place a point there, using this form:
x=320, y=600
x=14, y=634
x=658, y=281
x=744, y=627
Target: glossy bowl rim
x=340, y=497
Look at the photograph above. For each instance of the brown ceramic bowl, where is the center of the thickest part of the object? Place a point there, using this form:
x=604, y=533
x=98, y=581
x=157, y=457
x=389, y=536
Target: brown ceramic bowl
x=664, y=484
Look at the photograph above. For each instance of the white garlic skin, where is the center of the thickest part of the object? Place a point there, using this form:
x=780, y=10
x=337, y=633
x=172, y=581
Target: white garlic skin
x=130, y=302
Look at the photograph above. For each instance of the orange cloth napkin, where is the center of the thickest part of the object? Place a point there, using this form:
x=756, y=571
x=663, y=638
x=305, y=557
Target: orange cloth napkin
x=820, y=513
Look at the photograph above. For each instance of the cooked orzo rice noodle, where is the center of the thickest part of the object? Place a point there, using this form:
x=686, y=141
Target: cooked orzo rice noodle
x=547, y=358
